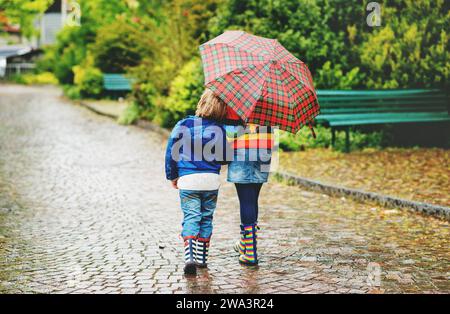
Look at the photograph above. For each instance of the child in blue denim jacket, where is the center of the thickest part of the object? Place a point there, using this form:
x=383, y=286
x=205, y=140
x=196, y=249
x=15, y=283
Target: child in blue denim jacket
x=196, y=150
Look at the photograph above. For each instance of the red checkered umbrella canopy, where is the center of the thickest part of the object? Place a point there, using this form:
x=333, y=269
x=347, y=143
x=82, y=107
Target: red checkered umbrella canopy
x=260, y=80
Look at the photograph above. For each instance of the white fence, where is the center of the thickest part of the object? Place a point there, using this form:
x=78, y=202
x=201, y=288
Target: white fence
x=17, y=68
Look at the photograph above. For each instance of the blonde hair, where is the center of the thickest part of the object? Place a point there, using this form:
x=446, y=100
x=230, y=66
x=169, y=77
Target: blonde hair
x=211, y=107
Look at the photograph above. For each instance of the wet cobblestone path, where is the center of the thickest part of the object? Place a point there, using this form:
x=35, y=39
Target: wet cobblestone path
x=85, y=208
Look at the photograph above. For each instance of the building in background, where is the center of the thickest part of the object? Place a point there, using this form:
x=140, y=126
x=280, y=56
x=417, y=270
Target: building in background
x=17, y=53
x=17, y=59
x=51, y=22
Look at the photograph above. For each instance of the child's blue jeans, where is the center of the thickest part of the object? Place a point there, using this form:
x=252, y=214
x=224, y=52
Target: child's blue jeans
x=198, y=209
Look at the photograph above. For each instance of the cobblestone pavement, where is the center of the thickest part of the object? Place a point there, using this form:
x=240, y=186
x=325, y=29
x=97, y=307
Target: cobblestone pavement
x=84, y=208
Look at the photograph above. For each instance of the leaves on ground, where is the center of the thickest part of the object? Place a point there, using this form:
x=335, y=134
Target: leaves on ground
x=415, y=174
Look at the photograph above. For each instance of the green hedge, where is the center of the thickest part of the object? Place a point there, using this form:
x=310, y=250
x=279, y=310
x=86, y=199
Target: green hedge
x=303, y=139
x=184, y=94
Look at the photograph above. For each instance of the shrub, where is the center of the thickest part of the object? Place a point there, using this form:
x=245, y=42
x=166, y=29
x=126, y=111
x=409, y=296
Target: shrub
x=40, y=78
x=171, y=38
x=118, y=46
x=15, y=78
x=143, y=95
x=184, y=94
x=130, y=115
x=88, y=79
x=411, y=49
x=71, y=91
x=303, y=139
x=69, y=51
x=333, y=77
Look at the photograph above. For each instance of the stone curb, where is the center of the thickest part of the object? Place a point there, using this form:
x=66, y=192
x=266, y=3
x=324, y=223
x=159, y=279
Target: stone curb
x=334, y=190
x=95, y=110
x=144, y=124
x=360, y=195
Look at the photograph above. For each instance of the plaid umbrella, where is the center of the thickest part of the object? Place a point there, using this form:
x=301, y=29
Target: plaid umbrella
x=260, y=80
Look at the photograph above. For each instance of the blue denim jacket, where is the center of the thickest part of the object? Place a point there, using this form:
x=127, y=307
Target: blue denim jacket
x=185, y=135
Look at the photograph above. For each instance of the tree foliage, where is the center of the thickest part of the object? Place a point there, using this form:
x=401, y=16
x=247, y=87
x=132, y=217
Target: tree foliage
x=24, y=13
x=410, y=49
x=73, y=42
x=156, y=43
x=118, y=46
x=184, y=93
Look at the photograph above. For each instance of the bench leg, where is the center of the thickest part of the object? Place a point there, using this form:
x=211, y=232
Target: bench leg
x=347, y=139
x=333, y=137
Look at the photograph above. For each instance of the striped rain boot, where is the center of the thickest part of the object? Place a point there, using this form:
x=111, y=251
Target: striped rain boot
x=202, y=252
x=239, y=246
x=189, y=255
x=249, y=257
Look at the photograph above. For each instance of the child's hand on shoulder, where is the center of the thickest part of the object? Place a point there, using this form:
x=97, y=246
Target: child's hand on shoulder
x=174, y=183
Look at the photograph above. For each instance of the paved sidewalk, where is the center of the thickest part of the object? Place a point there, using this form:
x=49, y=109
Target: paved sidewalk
x=84, y=208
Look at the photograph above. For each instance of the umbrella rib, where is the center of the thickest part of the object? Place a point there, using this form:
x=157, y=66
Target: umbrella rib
x=240, y=69
x=297, y=78
x=293, y=108
x=274, y=46
x=287, y=91
x=263, y=85
x=262, y=88
x=256, y=62
x=295, y=60
x=230, y=45
x=245, y=50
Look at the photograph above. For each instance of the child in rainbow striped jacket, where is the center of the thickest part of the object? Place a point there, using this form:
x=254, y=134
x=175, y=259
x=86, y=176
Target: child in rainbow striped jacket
x=248, y=169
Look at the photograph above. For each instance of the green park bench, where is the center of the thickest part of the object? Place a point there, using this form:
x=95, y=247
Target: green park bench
x=341, y=109
x=116, y=82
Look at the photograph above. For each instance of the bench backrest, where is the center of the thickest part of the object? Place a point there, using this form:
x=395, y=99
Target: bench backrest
x=377, y=101
x=116, y=82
